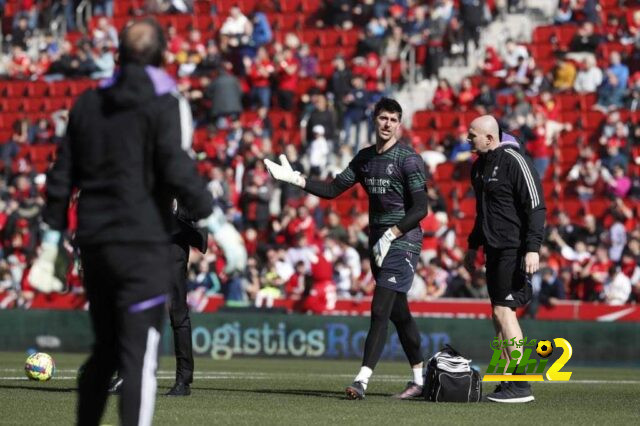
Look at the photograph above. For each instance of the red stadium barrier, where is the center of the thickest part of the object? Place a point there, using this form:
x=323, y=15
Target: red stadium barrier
x=441, y=308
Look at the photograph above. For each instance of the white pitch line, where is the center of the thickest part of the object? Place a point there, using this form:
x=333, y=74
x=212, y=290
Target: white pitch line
x=265, y=376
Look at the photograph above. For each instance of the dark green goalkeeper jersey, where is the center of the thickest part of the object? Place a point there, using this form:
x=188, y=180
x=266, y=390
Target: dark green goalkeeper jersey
x=389, y=179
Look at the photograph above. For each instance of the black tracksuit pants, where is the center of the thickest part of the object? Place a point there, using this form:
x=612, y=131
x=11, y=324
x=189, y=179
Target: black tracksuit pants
x=127, y=287
x=179, y=314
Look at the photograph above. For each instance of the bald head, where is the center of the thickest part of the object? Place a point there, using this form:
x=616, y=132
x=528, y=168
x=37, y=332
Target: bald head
x=142, y=43
x=484, y=134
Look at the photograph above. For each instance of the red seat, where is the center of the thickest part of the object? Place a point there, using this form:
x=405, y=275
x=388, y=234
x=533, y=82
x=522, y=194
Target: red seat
x=448, y=119
x=568, y=101
x=544, y=34
x=331, y=37
x=444, y=171
x=282, y=119
x=311, y=5
x=599, y=206
x=349, y=37
x=571, y=117
x=42, y=153
x=542, y=50
x=289, y=6
x=424, y=119
x=592, y=120
x=565, y=33
x=468, y=207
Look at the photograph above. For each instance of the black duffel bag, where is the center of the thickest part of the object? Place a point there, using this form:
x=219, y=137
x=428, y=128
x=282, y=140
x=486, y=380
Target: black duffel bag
x=450, y=378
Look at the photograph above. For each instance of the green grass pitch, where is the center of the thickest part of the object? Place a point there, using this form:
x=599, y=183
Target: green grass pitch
x=307, y=392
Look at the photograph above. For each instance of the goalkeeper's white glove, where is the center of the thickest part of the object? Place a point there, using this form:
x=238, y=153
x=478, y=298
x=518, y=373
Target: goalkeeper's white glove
x=42, y=273
x=284, y=172
x=381, y=248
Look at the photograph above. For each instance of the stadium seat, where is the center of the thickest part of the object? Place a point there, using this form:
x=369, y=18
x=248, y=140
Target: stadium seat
x=444, y=171
x=544, y=34
x=468, y=207
x=568, y=101
x=282, y=119
x=311, y=5
x=599, y=206
x=541, y=50
x=289, y=6
x=565, y=33
x=591, y=120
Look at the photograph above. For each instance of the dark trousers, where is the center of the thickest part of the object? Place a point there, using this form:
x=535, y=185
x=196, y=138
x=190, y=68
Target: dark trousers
x=391, y=305
x=179, y=315
x=127, y=286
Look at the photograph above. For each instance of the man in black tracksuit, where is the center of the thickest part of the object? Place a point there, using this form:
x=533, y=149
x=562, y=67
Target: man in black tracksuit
x=125, y=153
x=185, y=234
x=510, y=216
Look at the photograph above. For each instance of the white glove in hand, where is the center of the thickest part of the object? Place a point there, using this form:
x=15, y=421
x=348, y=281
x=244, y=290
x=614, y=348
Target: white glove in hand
x=42, y=273
x=381, y=248
x=283, y=171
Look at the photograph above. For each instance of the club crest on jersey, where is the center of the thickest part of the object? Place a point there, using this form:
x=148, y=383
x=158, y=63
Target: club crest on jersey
x=495, y=172
x=390, y=169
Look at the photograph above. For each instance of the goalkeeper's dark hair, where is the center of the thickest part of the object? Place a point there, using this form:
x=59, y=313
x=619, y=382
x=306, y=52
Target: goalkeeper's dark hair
x=389, y=105
x=142, y=43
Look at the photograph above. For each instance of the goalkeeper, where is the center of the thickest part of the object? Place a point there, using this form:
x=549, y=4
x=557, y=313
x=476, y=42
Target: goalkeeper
x=394, y=177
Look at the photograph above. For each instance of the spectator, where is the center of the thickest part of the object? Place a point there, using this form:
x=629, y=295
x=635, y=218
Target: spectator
x=618, y=287
x=467, y=95
x=260, y=71
x=21, y=33
x=585, y=41
x=513, y=54
x=485, y=102
x=548, y=290
x=308, y=62
x=472, y=14
x=539, y=82
x=355, y=107
x=287, y=68
x=612, y=90
x=618, y=184
x=104, y=62
x=364, y=284
x=443, y=97
x=318, y=152
x=103, y=7
x=225, y=96
x=262, y=34
x=236, y=29
x=564, y=73
x=320, y=115
x=105, y=34
x=564, y=13
x=589, y=76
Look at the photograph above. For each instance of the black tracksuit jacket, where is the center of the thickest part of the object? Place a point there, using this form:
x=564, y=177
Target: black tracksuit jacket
x=125, y=153
x=510, y=208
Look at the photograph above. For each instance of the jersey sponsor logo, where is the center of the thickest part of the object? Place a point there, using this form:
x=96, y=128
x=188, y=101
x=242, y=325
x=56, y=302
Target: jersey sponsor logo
x=377, y=185
x=392, y=280
x=390, y=169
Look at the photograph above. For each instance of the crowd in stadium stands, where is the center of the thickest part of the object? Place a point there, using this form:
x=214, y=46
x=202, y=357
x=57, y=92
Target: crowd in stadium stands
x=243, y=82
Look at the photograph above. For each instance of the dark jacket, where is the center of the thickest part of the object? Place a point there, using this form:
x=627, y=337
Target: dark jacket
x=225, y=95
x=125, y=153
x=510, y=208
x=186, y=233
